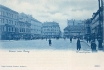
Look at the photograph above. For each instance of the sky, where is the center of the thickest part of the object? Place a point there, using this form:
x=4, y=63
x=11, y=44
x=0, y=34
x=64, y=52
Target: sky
x=54, y=10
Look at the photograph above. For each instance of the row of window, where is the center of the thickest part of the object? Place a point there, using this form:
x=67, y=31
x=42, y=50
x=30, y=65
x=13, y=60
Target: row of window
x=24, y=30
x=9, y=29
x=50, y=29
x=2, y=28
x=10, y=15
x=50, y=26
x=35, y=30
x=50, y=33
x=12, y=29
x=7, y=21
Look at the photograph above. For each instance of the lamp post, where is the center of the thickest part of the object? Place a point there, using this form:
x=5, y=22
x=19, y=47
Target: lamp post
x=100, y=41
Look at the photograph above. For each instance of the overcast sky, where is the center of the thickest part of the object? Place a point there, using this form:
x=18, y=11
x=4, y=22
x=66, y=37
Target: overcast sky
x=54, y=10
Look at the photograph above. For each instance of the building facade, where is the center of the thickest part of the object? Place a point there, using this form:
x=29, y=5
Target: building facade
x=24, y=26
x=95, y=24
x=15, y=26
x=66, y=32
x=36, y=26
x=50, y=30
x=87, y=27
x=8, y=23
x=74, y=29
x=103, y=22
x=73, y=22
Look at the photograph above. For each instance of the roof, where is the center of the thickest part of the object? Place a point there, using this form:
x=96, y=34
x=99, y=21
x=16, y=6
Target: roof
x=6, y=8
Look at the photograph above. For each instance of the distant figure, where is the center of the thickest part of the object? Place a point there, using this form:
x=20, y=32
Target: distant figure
x=93, y=46
x=78, y=44
x=70, y=39
x=46, y=39
x=64, y=38
x=87, y=39
x=50, y=42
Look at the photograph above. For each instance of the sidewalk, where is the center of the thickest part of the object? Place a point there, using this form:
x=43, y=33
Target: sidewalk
x=85, y=46
x=89, y=44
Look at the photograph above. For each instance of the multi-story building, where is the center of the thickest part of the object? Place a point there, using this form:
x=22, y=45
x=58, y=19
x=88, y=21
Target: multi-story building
x=50, y=30
x=23, y=27
x=77, y=29
x=73, y=22
x=35, y=28
x=103, y=22
x=95, y=23
x=66, y=32
x=87, y=27
x=8, y=23
x=14, y=25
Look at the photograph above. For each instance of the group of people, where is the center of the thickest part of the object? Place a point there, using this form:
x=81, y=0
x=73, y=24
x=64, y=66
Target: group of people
x=78, y=43
x=93, y=44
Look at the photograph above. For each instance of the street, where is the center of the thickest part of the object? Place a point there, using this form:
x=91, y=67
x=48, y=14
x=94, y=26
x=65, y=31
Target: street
x=57, y=44
x=44, y=59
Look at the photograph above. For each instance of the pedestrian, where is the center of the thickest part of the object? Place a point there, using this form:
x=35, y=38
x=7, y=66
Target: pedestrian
x=87, y=39
x=93, y=46
x=64, y=38
x=78, y=44
x=46, y=39
x=50, y=42
x=70, y=39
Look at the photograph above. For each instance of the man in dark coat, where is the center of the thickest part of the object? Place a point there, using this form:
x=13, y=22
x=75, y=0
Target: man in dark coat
x=87, y=39
x=70, y=39
x=78, y=44
x=50, y=42
x=93, y=46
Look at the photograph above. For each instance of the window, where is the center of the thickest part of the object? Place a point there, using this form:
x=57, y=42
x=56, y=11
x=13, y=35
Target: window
x=12, y=29
x=0, y=13
x=11, y=22
x=8, y=29
x=15, y=23
x=6, y=20
x=1, y=28
x=3, y=20
x=20, y=30
x=0, y=20
x=7, y=14
x=12, y=15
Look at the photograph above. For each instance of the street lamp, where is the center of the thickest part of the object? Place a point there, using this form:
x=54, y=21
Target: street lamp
x=100, y=41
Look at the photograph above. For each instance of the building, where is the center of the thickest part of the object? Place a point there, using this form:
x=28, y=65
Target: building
x=15, y=26
x=103, y=21
x=8, y=23
x=23, y=27
x=87, y=28
x=72, y=29
x=36, y=29
x=50, y=30
x=95, y=24
x=73, y=22
x=66, y=32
